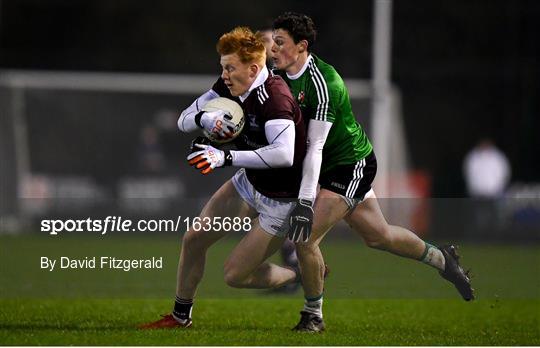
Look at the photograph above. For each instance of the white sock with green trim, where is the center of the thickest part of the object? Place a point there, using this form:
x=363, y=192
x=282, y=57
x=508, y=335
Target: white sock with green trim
x=433, y=257
x=314, y=305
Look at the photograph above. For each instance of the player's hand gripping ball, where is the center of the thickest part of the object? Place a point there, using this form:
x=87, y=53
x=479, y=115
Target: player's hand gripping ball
x=223, y=120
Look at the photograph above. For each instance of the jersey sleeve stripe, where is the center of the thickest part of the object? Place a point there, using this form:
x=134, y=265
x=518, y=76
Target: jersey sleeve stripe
x=325, y=89
x=264, y=93
x=261, y=94
x=318, y=90
x=322, y=91
x=318, y=73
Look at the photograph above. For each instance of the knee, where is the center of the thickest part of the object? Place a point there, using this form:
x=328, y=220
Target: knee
x=233, y=278
x=307, y=250
x=380, y=238
x=192, y=240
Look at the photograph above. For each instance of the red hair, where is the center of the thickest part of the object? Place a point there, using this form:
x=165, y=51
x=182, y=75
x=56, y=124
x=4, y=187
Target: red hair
x=247, y=45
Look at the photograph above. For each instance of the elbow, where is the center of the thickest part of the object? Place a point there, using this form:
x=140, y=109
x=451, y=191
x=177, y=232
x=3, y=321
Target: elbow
x=180, y=122
x=281, y=158
x=183, y=126
x=287, y=160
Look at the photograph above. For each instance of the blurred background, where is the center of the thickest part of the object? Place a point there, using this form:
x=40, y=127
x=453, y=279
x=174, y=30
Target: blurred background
x=90, y=92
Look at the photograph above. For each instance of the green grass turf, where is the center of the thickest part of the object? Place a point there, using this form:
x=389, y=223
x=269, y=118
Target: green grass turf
x=371, y=298
x=268, y=321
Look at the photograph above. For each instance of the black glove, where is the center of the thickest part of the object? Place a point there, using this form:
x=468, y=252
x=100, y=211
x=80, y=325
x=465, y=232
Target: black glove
x=300, y=221
x=198, y=140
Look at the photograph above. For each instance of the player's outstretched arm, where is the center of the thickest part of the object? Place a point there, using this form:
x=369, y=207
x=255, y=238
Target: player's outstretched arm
x=279, y=153
x=301, y=217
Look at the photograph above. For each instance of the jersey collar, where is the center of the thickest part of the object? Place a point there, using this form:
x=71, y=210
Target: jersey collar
x=304, y=67
x=263, y=75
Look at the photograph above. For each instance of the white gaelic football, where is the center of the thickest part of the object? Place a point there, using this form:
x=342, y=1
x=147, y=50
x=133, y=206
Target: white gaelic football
x=231, y=108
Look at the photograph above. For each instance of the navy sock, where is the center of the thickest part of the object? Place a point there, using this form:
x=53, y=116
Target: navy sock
x=182, y=308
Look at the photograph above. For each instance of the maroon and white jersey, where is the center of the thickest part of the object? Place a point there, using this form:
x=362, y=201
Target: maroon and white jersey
x=271, y=100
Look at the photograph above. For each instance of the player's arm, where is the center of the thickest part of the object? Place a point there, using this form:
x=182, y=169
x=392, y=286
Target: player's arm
x=311, y=168
x=279, y=153
x=194, y=118
x=327, y=91
x=188, y=122
x=301, y=216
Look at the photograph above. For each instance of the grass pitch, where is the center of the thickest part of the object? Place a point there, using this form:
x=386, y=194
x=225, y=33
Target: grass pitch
x=372, y=298
x=267, y=321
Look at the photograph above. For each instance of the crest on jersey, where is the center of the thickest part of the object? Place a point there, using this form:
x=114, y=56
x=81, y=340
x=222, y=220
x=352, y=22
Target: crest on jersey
x=301, y=97
x=252, y=121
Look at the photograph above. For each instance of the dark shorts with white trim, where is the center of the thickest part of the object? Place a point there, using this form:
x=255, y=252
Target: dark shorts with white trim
x=352, y=181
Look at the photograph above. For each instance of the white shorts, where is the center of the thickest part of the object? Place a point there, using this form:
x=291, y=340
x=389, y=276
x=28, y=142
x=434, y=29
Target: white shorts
x=272, y=213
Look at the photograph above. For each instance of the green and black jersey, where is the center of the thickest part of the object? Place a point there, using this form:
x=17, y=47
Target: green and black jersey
x=322, y=95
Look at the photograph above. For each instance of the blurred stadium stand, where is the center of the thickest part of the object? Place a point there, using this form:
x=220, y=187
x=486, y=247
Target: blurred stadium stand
x=78, y=142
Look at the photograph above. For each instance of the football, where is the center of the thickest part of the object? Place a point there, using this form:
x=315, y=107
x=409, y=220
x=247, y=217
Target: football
x=233, y=109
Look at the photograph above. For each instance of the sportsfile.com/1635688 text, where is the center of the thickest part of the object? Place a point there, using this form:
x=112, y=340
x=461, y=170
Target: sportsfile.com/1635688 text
x=119, y=224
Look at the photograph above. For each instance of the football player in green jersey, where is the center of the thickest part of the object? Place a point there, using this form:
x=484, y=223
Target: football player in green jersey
x=341, y=160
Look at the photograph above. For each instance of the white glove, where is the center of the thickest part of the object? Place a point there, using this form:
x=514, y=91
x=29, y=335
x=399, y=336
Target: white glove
x=209, y=158
x=217, y=122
